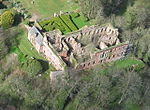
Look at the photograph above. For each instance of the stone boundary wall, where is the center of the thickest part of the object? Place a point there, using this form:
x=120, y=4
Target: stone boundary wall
x=108, y=55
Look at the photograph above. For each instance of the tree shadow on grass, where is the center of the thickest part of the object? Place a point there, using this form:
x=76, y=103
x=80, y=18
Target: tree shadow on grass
x=2, y=6
x=45, y=65
x=18, y=18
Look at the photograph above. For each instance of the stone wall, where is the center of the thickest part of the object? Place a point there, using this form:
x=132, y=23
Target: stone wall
x=45, y=48
x=92, y=31
x=108, y=55
x=35, y=37
x=55, y=47
x=100, y=36
x=52, y=57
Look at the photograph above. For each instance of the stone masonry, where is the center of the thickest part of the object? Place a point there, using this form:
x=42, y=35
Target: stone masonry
x=81, y=49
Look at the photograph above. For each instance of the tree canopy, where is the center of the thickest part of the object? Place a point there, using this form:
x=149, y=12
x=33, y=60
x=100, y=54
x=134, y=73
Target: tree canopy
x=32, y=67
x=7, y=19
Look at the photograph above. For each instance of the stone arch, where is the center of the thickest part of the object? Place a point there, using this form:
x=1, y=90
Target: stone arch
x=79, y=36
x=94, y=62
x=105, y=55
x=112, y=32
x=108, y=29
x=83, y=33
x=94, y=31
x=101, y=30
x=105, y=29
x=68, y=39
x=100, y=61
x=84, y=65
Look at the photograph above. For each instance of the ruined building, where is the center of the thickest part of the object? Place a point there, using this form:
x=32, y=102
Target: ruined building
x=81, y=49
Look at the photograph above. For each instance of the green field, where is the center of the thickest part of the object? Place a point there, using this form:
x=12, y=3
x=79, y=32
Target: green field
x=46, y=8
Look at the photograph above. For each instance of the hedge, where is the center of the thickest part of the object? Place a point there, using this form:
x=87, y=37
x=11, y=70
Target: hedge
x=64, y=23
x=69, y=22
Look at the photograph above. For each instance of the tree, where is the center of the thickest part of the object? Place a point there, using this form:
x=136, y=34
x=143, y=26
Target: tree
x=94, y=93
x=3, y=46
x=138, y=15
x=7, y=19
x=25, y=92
x=2, y=6
x=32, y=67
x=142, y=47
x=145, y=100
x=130, y=85
x=126, y=88
x=92, y=8
x=142, y=18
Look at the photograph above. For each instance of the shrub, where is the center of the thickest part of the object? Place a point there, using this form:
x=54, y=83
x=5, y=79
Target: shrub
x=60, y=98
x=141, y=48
x=32, y=67
x=3, y=49
x=74, y=15
x=7, y=19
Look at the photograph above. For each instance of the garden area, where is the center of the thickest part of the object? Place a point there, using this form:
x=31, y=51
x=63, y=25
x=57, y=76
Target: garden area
x=65, y=23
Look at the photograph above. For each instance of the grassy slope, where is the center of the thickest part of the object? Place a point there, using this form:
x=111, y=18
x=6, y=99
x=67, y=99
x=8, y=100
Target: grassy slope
x=45, y=8
x=125, y=63
x=26, y=47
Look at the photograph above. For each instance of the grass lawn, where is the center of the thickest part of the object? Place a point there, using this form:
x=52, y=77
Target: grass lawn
x=46, y=8
x=80, y=21
x=125, y=63
x=26, y=47
x=128, y=62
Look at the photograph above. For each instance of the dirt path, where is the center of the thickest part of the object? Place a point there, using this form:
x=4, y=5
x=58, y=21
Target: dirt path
x=34, y=17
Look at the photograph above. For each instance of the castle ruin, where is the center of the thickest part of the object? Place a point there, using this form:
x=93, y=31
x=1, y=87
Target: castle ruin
x=82, y=49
